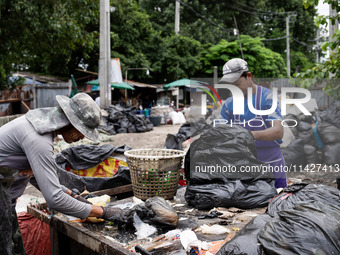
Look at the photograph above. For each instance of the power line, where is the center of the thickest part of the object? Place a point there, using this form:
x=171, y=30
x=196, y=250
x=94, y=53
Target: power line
x=200, y=15
x=274, y=39
x=265, y=12
x=284, y=37
x=254, y=13
x=249, y=12
x=296, y=40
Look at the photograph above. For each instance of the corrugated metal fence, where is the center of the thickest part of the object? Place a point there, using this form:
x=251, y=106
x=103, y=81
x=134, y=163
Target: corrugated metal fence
x=46, y=93
x=321, y=98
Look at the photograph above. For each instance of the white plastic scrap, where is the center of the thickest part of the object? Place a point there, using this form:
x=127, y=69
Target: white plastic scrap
x=213, y=230
x=143, y=229
x=172, y=233
x=189, y=240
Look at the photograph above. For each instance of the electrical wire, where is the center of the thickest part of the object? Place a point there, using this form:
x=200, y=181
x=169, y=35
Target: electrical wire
x=274, y=39
x=256, y=14
x=284, y=37
x=264, y=12
x=200, y=15
x=252, y=13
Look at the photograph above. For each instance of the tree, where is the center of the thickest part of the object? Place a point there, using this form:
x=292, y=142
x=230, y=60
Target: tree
x=209, y=21
x=138, y=44
x=262, y=62
x=331, y=67
x=48, y=36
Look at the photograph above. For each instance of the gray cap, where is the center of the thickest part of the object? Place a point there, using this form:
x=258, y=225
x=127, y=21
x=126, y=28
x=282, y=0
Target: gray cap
x=83, y=113
x=233, y=69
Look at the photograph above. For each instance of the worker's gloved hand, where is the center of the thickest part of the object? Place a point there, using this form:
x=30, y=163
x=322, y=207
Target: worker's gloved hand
x=81, y=199
x=113, y=214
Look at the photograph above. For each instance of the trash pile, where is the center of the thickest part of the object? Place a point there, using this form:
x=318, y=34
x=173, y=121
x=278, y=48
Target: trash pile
x=317, y=137
x=213, y=171
x=174, y=141
x=302, y=219
x=74, y=165
x=162, y=111
x=124, y=120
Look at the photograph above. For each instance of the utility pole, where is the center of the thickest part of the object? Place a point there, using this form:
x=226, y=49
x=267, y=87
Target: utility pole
x=238, y=36
x=215, y=79
x=177, y=11
x=332, y=28
x=318, y=46
x=104, y=54
x=287, y=45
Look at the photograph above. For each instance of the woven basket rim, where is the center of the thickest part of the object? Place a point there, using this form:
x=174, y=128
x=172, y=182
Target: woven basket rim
x=130, y=154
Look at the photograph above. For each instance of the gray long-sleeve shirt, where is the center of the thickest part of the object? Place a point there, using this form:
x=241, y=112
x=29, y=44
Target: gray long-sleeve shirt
x=21, y=148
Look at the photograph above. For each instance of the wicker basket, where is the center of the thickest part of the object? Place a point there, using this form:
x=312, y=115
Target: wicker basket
x=154, y=172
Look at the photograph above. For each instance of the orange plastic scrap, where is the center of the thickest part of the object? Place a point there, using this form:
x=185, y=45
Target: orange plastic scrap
x=108, y=168
x=214, y=247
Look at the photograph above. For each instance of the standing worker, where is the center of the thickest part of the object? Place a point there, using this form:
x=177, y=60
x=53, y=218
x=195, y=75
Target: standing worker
x=27, y=143
x=267, y=134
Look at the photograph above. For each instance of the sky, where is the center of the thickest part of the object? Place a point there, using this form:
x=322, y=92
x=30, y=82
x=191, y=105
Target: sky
x=323, y=9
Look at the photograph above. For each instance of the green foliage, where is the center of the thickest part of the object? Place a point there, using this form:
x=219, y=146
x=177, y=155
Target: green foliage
x=48, y=36
x=136, y=42
x=301, y=27
x=180, y=58
x=207, y=21
x=57, y=36
x=330, y=69
x=262, y=62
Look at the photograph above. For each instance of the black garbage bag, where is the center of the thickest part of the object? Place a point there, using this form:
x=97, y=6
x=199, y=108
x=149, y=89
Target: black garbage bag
x=304, y=126
x=149, y=125
x=220, y=154
x=303, y=192
x=294, y=131
x=124, y=122
x=308, y=228
x=199, y=127
x=155, y=210
x=311, y=154
x=245, y=194
x=218, y=160
x=329, y=133
x=171, y=142
x=306, y=136
x=306, y=118
x=121, y=130
x=109, y=128
x=185, y=130
x=245, y=242
x=87, y=156
x=116, y=112
x=131, y=128
x=332, y=114
x=174, y=141
x=139, y=121
x=331, y=154
x=294, y=153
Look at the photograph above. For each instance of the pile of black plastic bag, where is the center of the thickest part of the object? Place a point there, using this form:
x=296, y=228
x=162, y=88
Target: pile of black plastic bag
x=304, y=219
x=215, y=178
x=125, y=120
x=317, y=137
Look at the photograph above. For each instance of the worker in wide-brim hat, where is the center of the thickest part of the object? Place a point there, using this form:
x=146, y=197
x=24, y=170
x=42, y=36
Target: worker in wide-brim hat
x=27, y=143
